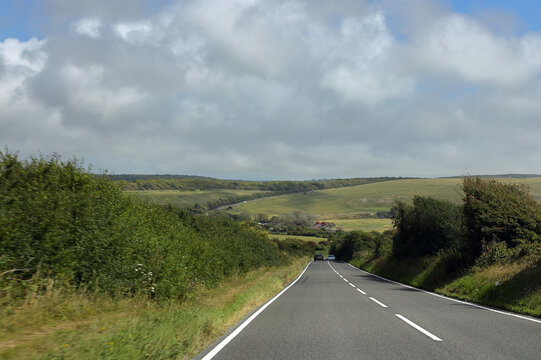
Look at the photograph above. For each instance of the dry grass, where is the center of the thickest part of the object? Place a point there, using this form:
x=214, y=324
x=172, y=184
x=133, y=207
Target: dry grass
x=300, y=237
x=60, y=324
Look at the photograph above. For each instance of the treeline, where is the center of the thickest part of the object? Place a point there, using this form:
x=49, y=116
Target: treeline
x=496, y=223
x=210, y=184
x=133, y=177
x=58, y=221
x=361, y=245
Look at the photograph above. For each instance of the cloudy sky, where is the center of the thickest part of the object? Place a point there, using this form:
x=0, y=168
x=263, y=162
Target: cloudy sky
x=272, y=89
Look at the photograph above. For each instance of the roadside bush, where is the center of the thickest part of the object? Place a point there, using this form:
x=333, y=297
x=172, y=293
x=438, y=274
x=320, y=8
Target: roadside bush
x=357, y=244
x=426, y=226
x=496, y=212
x=296, y=247
x=59, y=221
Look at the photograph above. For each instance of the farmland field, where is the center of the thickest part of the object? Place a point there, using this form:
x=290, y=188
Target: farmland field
x=355, y=200
x=349, y=207
x=300, y=237
x=370, y=224
x=189, y=198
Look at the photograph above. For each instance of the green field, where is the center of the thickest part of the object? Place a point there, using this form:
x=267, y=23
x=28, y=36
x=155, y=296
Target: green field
x=300, y=237
x=189, y=198
x=348, y=207
x=355, y=200
x=362, y=224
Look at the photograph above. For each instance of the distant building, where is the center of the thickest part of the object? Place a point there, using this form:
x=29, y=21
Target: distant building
x=324, y=225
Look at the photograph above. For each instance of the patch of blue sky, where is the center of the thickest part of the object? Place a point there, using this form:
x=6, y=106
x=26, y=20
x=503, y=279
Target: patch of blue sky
x=528, y=12
x=21, y=19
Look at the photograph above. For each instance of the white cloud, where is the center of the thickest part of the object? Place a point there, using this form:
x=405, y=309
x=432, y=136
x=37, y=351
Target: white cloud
x=133, y=32
x=461, y=46
x=21, y=61
x=360, y=62
x=87, y=26
x=275, y=89
x=26, y=54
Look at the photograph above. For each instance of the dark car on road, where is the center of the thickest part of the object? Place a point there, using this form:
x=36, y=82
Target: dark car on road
x=318, y=256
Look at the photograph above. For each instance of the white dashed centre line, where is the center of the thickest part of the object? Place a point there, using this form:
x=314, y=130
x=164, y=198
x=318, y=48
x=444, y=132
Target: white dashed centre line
x=351, y=284
x=378, y=302
x=411, y=323
x=362, y=292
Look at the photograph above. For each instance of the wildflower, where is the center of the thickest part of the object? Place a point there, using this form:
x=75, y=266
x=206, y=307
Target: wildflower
x=66, y=345
x=111, y=343
x=102, y=328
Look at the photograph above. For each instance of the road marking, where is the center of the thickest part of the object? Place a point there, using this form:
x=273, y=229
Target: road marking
x=411, y=323
x=378, y=302
x=237, y=331
x=362, y=292
x=346, y=280
x=448, y=298
x=352, y=284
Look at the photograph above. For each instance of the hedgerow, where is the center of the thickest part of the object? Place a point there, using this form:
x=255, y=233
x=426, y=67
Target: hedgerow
x=59, y=221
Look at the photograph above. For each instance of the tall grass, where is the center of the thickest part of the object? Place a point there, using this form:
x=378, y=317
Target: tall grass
x=63, y=324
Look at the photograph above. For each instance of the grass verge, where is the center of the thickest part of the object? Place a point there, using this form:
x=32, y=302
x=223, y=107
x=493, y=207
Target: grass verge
x=300, y=237
x=514, y=287
x=68, y=325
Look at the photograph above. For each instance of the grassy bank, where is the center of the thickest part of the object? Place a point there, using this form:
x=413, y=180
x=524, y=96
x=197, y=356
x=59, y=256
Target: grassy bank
x=71, y=325
x=515, y=287
x=370, y=224
x=300, y=237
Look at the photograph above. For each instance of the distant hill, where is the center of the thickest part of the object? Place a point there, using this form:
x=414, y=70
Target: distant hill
x=350, y=202
x=501, y=176
x=162, y=182
x=134, y=177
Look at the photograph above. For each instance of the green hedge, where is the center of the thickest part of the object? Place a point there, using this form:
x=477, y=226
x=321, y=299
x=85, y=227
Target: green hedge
x=59, y=221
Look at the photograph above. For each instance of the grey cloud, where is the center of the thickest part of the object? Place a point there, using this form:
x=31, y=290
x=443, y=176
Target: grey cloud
x=277, y=89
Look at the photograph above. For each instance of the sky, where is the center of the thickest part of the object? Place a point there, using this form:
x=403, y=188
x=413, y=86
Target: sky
x=274, y=89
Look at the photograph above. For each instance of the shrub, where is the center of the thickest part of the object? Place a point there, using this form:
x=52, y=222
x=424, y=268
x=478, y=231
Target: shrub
x=497, y=212
x=426, y=226
x=60, y=221
x=356, y=243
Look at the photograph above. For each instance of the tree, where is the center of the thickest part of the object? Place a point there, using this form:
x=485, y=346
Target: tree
x=496, y=212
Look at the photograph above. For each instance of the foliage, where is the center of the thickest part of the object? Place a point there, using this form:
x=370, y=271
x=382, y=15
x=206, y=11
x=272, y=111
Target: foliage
x=426, y=226
x=357, y=243
x=296, y=247
x=498, y=212
x=61, y=222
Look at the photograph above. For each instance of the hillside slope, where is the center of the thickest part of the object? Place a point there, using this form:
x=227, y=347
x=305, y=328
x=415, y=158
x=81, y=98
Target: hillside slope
x=346, y=202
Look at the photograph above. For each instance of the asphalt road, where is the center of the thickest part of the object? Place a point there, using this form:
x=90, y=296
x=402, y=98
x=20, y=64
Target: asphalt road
x=335, y=311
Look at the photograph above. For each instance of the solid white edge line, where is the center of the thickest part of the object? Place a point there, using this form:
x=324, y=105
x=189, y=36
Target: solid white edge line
x=449, y=298
x=241, y=327
x=362, y=292
x=378, y=302
x=411, y=323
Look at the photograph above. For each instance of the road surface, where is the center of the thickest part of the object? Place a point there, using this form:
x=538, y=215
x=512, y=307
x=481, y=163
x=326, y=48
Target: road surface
x=335, y=311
